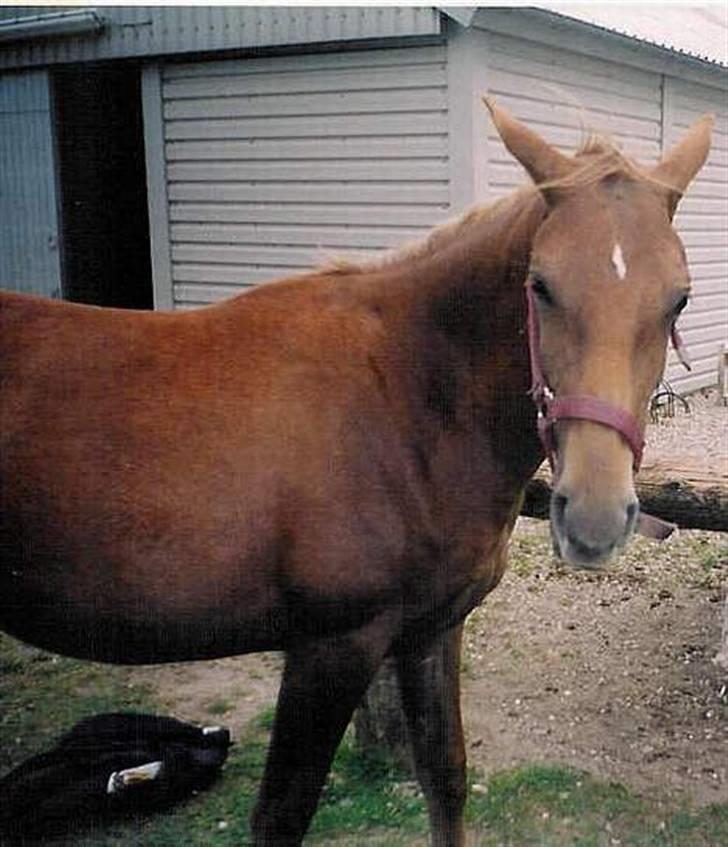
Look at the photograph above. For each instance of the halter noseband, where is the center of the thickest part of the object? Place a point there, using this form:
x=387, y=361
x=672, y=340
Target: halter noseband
x=581, y=406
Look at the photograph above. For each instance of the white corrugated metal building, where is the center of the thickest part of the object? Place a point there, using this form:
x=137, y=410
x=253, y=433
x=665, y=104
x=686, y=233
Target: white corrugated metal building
x=273, y=136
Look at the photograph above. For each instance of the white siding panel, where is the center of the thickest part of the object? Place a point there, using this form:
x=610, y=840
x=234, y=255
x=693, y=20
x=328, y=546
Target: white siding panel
x=310, y=64
x=272, y=165
x=350, y=214
x=304, y=126
x=702, y=222
x=297, y=105
x=435, y=194
x=289, y=82
x=596, y=117
x=698, y=209
x=547, y=63
x=363, y=170
x=376, y=238
x=565, y=97
x=308, y=149
x=236, y=276
x=281, y=256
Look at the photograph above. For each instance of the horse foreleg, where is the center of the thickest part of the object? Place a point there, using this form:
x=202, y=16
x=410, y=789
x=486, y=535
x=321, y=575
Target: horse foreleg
x=430, y=685
x=323, y=682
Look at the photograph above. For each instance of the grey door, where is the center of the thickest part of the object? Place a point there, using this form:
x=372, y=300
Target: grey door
x=29, y=237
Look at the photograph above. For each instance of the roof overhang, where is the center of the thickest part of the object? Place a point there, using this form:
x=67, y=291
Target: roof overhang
x=51, y=25
x=565, y=32
x=462, y=15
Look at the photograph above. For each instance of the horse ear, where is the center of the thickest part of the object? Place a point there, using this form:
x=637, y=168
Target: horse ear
x=678, y=168
x=543, y=162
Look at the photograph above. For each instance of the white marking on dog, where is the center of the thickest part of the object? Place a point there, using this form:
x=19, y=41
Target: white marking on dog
x=618, y=261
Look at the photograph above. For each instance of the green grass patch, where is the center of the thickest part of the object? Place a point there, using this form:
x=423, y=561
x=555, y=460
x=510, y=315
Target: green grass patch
x=219, y=707
x=367, y=793
x=552, y=806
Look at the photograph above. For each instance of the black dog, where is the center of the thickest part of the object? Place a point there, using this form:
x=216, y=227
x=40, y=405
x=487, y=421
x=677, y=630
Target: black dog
x=106, y=765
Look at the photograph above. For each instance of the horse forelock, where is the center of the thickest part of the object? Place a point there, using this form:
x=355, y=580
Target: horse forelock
x=601, y=158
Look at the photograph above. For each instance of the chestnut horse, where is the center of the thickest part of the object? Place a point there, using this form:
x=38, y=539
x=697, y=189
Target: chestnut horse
x=332, y=465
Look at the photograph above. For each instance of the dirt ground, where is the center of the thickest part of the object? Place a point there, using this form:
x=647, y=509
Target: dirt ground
x=613, y=672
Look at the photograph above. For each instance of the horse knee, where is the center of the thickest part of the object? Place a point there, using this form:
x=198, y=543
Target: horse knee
x=445, y=784
x=453, y=785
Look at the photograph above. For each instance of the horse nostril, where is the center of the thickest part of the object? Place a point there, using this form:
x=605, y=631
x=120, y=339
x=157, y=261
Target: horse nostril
x=632, y=513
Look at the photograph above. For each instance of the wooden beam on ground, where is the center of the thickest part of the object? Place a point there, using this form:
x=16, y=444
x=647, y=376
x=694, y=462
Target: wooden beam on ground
x=691, y=496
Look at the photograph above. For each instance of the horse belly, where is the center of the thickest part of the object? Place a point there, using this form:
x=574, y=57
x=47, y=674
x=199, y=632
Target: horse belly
x=101, y=616
x=122, y=586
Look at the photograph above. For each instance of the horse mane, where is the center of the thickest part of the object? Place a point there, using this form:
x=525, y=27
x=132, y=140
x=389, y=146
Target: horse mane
x=601, y=158
x=438, y=238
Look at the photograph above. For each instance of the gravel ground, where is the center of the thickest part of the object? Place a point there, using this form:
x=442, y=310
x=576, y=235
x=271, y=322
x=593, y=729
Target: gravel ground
x=700, y=434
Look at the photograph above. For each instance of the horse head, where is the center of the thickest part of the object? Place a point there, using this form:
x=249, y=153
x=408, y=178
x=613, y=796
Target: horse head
x=607, y=281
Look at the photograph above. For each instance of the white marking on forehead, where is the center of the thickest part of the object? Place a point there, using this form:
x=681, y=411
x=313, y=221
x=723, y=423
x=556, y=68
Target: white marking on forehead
x=618, y=261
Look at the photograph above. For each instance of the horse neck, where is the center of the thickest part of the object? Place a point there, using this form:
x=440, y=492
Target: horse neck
x=464, y=331
x=468, y=292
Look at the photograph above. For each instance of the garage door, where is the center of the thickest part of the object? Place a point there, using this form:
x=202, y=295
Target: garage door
x=29, y=252
x=274, y=164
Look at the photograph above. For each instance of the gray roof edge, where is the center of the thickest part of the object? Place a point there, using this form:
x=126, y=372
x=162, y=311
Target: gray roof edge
x=687, y=54
x=462, y=15
x=495, y=18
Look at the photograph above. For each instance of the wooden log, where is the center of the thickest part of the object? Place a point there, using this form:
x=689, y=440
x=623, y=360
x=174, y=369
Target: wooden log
x=379, y=723
x=691, y=496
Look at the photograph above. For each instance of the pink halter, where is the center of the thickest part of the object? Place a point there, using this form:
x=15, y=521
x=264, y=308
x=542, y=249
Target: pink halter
x=582, y=406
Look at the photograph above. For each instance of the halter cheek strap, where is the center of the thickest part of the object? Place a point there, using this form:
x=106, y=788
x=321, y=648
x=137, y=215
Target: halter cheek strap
x=582, y=406
x=680, y=348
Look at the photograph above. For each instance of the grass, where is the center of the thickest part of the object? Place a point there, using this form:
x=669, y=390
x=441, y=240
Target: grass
x=548, y=805
x=367, y=802
x=219, y=707
x=42, y=695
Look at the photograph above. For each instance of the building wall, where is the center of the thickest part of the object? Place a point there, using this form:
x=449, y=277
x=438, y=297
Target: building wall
x=702, y=221
x=565, y=97
x=272, y=165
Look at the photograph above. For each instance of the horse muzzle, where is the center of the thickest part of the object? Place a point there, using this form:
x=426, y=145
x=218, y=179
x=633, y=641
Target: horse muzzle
x=589, y=537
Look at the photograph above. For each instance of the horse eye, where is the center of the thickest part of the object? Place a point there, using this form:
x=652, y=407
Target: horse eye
x=541, y=289
x=680, y=305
